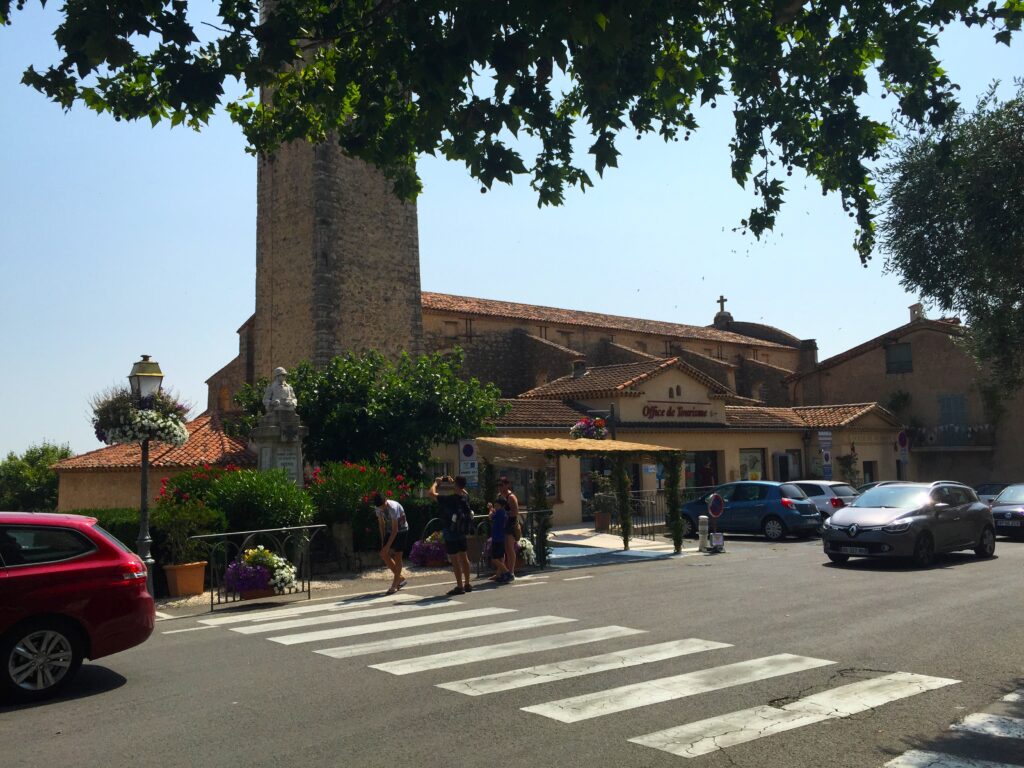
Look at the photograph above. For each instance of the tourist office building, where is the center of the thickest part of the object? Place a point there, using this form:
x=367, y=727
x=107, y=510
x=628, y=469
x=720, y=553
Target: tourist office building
x=669, y=404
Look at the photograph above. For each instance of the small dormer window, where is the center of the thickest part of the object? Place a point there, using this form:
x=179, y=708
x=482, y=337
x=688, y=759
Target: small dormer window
x=670, y=393
x=679, y=390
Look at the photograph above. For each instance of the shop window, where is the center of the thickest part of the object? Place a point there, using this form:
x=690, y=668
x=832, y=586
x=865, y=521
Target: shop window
x=752, y=464
x=898, y=358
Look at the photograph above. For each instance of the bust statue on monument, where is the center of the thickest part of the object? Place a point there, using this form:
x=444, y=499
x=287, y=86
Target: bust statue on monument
x=279, y=395
x=277, y=439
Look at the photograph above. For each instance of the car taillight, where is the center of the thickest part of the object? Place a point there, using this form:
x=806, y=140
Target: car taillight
x=133, y=571
x=837, y=502
x=788, y=503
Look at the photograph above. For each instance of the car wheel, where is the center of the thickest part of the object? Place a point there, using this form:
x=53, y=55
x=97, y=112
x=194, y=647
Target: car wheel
x=986, y=544
x=689, y=529
x=924, y=550
x=39, y=658
x=773, y=528
x=837, y=559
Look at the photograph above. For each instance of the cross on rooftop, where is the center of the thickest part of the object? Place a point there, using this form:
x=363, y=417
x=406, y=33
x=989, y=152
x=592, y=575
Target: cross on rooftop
x=721, y=303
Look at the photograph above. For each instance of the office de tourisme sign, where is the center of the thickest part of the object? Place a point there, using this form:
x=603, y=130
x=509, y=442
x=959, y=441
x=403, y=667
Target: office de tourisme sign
x=668, y=410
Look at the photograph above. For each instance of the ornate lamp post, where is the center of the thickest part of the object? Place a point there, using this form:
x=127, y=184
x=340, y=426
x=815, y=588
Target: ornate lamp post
x=145, y=379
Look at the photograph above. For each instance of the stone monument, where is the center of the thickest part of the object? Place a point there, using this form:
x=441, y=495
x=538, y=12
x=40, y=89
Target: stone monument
x=278, y=437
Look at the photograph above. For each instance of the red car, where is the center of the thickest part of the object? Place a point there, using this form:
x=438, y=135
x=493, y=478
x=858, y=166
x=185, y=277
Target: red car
x=68, y=590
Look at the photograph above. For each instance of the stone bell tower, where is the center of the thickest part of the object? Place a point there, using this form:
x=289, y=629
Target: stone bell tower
x=337, y=260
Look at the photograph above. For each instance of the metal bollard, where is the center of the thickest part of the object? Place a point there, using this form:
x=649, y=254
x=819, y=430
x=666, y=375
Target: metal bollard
x=702, y=533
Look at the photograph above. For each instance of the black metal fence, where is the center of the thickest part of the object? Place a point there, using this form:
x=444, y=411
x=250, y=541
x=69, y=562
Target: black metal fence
x=226, y=550
x=648, y=510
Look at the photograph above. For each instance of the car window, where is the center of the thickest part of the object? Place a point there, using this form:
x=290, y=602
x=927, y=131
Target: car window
x=791, y=491
x=1012, y=495
x=726, y=491
x=759, y=492
x=895, y=496
x=958, y=495
x=844, y=490
x=111, y=538
x=32, y=545
x=811, y=489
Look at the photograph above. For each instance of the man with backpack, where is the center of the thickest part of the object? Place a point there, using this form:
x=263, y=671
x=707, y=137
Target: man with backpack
x=457, y=520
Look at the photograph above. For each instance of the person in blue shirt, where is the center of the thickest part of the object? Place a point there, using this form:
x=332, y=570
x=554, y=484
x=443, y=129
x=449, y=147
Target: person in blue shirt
x=499, y=520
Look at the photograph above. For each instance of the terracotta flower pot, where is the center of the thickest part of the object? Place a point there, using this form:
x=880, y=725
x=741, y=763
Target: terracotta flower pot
x=186, y=579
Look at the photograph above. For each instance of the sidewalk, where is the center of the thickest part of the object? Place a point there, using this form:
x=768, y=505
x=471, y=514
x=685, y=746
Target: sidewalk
x=573, y=546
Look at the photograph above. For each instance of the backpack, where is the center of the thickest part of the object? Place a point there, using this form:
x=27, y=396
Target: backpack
x=462, y=517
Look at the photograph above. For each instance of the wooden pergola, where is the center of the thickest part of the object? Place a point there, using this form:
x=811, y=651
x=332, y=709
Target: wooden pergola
x=534, y=451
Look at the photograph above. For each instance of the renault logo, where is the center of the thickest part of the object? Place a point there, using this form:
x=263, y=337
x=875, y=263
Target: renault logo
x=852, y=530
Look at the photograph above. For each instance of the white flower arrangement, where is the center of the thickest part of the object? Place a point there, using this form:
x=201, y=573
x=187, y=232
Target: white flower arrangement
x=284, y=574
x=136, y=426
x=526, y=553
x=120, y=417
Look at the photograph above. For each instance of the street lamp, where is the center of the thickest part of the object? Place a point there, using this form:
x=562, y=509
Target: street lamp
x=145, y=380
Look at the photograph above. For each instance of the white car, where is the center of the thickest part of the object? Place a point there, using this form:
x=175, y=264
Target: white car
x=827, y=495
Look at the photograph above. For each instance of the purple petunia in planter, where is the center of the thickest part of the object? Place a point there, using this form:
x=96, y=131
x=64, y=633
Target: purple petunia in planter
x=429, y=551
x=240, y=577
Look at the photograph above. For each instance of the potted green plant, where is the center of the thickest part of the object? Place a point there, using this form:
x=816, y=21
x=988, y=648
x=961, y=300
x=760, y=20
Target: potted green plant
x=184, y=563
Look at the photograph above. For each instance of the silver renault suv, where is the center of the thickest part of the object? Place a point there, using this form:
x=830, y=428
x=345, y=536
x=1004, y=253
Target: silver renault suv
x=911, y=520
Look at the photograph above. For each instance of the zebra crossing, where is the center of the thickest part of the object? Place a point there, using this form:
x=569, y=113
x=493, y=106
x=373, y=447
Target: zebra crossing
x=974, y=731
x=345, y=629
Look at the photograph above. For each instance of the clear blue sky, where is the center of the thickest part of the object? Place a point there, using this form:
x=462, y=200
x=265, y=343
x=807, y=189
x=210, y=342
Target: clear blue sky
x=120, y=239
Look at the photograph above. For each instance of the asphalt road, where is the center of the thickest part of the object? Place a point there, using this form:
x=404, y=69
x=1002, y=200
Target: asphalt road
x=765, y=625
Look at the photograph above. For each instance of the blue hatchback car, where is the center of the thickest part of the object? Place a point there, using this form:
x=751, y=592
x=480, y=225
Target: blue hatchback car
x=759, y=506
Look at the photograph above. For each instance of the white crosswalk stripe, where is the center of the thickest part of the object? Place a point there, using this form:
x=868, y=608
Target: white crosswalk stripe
x=992, y=725
x=337, y=617
x=299, y=610
x=563, y=670
x=389, y=615
x=444, y=636
x=920, y=759
x=504, y=650
x=715, y=733
x=664, y=689
x=386, y=626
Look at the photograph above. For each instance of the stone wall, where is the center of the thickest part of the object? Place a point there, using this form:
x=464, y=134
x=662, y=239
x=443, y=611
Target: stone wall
x=337, y=260
x=762, y=382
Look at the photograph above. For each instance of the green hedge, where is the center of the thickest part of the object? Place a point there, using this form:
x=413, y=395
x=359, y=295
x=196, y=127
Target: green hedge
x=251, y=499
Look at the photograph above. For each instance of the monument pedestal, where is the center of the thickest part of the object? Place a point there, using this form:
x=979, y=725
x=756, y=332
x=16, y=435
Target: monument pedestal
x=278, y=443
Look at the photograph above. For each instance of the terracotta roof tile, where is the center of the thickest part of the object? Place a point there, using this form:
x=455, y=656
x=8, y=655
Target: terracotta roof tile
x=539, y=413
x=603, y=380
x=802, y=417
x=759, y=417
x=207, y=444
x=825, y=416
x=465, y=305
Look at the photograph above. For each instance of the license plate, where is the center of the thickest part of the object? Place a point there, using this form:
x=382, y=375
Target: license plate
x=1010, y=523
x=853, y=550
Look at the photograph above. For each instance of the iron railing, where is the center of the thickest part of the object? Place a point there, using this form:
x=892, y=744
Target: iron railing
x=648, y=510
x=223, y=549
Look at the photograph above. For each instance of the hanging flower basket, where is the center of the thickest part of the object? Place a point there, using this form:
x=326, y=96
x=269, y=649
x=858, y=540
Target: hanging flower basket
x=118, y=417
x=591, y=429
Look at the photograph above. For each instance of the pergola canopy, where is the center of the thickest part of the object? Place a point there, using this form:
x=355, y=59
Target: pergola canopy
x=529, y=451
